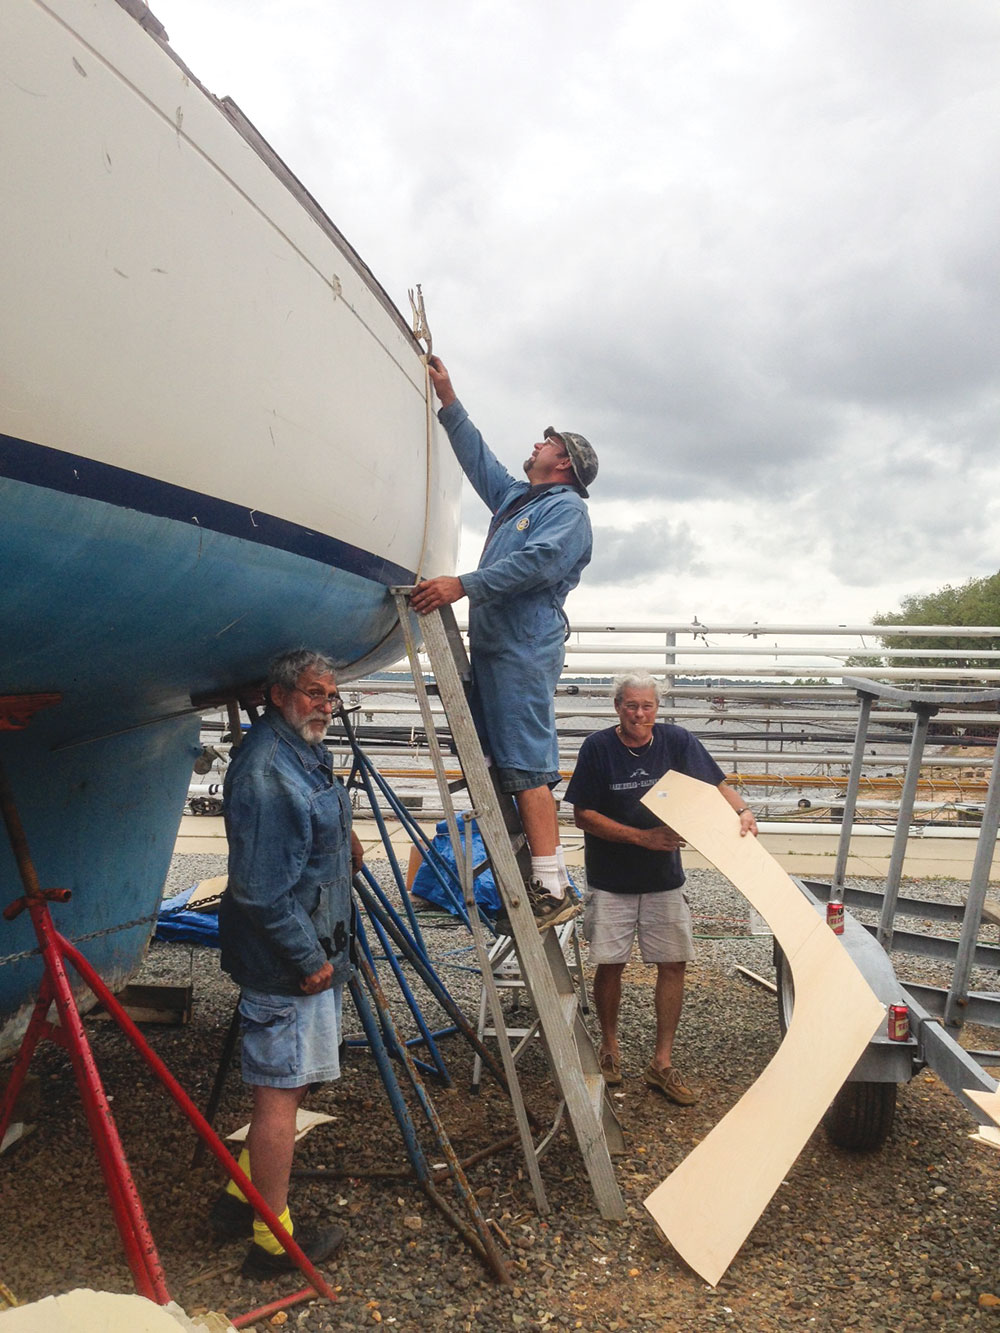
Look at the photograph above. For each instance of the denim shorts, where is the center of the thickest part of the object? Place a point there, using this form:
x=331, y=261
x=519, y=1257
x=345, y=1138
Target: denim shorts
x=290, y=1041
x=513, y=780
x=662, y=922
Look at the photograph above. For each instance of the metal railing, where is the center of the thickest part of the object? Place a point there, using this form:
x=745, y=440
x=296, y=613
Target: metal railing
x=767, y=701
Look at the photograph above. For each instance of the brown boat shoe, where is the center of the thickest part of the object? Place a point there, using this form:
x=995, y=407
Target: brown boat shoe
x=611, y=1069
x=669, y=1082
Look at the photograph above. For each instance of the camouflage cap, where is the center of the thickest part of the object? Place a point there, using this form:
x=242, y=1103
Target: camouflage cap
x=581, y=455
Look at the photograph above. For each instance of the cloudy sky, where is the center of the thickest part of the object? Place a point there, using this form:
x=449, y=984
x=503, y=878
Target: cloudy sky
x=749, y=249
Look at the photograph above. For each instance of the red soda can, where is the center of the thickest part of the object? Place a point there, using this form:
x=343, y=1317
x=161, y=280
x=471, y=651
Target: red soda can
x=835, y=916
x=899, y=1022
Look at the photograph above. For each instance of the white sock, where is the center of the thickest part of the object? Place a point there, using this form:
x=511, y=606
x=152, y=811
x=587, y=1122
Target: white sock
x=564, y=880
x=545, y=870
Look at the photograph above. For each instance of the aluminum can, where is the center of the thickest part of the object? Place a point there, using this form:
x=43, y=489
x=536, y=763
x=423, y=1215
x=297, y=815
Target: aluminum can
x=835, y=916
x=899, y=1022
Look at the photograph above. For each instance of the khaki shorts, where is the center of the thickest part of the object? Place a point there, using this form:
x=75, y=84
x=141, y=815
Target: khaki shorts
x=662, y=921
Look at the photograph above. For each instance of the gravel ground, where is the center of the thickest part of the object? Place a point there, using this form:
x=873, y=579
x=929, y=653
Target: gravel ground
x=900, y=1239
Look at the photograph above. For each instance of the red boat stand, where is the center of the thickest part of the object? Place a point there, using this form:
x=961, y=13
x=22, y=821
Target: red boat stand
x=126, y=1205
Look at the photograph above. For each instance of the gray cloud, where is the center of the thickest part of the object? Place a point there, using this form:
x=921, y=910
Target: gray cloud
x=748, y=250
x=649, y=549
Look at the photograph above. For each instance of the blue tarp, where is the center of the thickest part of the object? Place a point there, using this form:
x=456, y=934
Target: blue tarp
x=174, y=923
x=427, y=885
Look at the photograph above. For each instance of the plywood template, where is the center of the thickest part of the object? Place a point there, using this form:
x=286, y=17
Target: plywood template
x=709, y=1204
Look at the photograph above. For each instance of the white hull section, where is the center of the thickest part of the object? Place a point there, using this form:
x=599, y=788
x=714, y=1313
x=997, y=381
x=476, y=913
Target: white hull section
x=182, y=315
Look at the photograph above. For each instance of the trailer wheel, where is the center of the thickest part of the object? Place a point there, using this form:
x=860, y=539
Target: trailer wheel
x=786, y=989
x=861, y=1115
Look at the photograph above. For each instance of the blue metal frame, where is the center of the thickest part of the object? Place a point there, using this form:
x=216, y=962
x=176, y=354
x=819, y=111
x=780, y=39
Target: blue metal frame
x=438, y=1068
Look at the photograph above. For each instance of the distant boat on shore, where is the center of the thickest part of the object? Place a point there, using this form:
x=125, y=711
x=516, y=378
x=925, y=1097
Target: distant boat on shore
x=215, y=444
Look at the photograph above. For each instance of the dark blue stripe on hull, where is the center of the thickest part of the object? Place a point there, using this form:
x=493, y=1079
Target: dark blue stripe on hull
x=70, y=474
x=128, y=615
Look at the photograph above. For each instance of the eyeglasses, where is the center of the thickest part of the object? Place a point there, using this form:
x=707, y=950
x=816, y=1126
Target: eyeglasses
x=320, y=697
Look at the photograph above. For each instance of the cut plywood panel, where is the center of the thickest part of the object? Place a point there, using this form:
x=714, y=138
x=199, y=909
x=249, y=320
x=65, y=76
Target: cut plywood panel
x=986, y=1101
x=707, y=1207
x=989, y=1134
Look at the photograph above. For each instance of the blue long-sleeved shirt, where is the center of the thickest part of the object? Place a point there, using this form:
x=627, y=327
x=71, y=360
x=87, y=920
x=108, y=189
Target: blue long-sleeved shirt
x=535, y=557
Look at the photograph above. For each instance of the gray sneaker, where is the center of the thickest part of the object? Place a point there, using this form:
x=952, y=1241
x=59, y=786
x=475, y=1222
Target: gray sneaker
x=547, y=909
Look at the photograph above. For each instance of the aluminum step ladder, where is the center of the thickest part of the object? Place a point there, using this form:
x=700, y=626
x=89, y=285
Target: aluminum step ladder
x=548, y=983
x=507, y=975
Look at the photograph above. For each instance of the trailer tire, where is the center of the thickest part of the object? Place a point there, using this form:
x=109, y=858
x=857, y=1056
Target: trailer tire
x=786, y=989
x=860, y=1116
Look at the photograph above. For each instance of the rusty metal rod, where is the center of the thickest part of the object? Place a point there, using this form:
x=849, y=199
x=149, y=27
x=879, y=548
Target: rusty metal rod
x=481, y=1237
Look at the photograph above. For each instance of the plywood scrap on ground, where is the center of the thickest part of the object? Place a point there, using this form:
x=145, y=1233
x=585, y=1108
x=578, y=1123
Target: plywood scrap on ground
x=304, y=1122
x=758, y=980
x=708, y=1205
x=86, y=1311
x=205, y=894
x=988, y=1134
x=986, y=1101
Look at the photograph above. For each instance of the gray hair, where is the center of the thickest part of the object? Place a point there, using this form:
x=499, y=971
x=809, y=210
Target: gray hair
x=286, y=669
x=635, y=680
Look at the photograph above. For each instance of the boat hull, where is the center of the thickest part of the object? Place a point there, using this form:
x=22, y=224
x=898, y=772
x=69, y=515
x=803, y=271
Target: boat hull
x=101, y=821
x=215, y=444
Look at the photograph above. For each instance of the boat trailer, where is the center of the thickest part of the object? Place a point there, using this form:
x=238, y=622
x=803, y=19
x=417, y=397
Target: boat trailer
x=861, y=1115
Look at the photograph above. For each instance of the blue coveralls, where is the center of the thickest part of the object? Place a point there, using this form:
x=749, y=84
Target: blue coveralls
x=517, y=627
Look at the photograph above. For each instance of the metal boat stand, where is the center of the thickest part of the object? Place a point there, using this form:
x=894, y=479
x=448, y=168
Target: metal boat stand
x=403, y=933
x=126, y=1205
x=477, y=1235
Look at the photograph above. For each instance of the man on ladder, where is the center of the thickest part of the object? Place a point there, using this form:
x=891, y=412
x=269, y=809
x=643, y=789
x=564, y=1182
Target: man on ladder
x=538, y=544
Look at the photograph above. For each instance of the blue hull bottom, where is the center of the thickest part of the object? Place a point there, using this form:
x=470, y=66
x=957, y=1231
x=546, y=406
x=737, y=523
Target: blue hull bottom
x=128, y=615
x=101, y=821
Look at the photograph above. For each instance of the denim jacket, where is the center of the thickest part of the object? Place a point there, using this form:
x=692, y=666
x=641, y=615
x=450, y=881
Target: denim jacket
x=287, y=906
